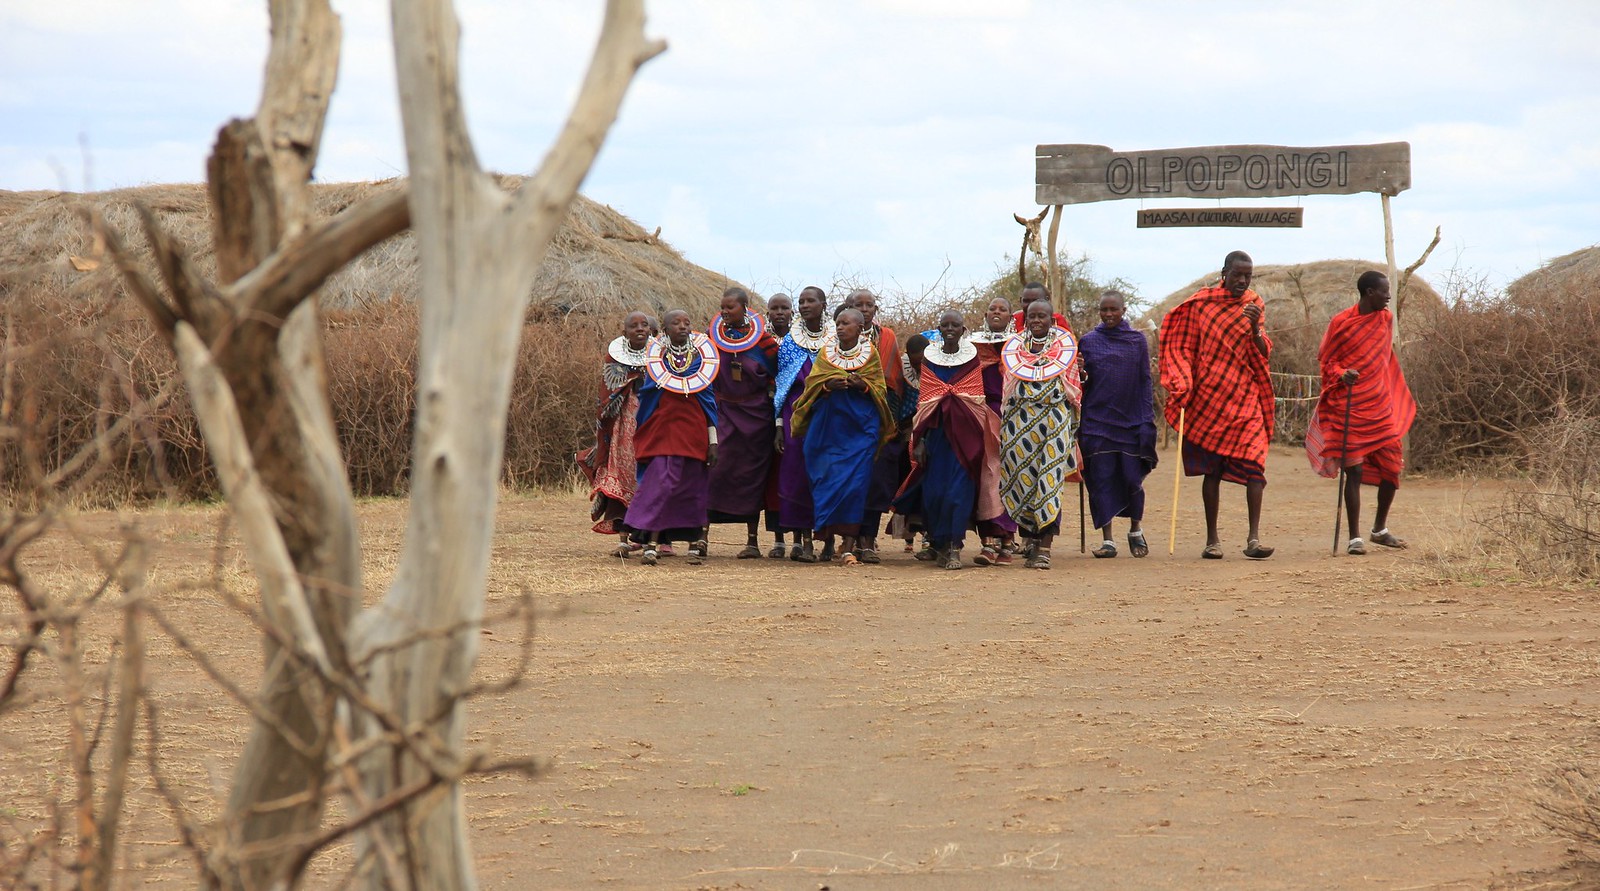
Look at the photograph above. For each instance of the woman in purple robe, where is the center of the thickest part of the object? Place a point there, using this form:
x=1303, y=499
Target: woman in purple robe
x=743, y=387
x=1118, y=431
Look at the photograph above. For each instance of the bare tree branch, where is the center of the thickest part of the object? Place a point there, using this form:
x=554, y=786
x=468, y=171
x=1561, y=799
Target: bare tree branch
x=1405, y=276
x=139, y=285
x=294, y=272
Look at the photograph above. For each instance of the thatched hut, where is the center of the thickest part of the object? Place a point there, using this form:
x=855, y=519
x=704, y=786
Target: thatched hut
x=600, y=262
x=1578, y=271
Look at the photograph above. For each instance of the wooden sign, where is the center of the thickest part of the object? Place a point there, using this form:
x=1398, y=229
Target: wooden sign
x=1256, y=217
x=1077, y=174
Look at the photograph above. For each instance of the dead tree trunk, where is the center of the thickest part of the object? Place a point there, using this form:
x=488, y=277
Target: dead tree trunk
x=479, y=248
x=383, y=688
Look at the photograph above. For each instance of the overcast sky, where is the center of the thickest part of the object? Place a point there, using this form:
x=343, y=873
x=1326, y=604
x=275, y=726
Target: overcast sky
x=784, y=143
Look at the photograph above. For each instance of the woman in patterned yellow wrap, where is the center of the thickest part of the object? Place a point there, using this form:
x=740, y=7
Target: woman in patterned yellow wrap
x=1043, y=391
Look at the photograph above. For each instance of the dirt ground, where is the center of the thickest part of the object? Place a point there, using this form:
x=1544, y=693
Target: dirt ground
x=1304, y=722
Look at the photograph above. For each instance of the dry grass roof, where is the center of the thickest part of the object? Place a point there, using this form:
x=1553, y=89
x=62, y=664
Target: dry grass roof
x=600, y=261
x=1304, y=294
x=1579, y=270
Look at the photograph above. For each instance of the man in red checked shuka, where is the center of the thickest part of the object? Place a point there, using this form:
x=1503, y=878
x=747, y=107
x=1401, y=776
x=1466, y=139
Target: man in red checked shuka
x=1214, y=368
x=1359, y=370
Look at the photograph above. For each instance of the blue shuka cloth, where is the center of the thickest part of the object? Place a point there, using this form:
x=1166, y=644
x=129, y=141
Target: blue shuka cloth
x=841, y=441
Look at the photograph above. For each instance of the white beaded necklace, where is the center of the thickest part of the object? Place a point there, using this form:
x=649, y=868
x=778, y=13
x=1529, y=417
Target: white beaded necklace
x=964, y=353
x=627, y=355
x=850, y=359
x=806, y=340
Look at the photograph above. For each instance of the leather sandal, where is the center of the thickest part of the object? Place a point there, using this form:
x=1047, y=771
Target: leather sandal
x=1387, y=539
x=1255, y=550
x=1137, y=546
x=1212, y=551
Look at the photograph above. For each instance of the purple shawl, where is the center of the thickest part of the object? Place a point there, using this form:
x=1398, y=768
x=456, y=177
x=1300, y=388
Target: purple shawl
x=1117, y=398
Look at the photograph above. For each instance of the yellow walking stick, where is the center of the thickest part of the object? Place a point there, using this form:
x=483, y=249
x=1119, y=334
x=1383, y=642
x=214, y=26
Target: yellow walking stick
x=1177, y=475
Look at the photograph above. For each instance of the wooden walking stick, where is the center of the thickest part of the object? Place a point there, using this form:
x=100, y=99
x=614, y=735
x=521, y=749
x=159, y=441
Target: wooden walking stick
x=1344, y=449
x=1177, y=475
x=1083, y=530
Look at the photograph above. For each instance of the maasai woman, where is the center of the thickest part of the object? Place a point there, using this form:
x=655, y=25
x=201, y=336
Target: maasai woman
x=889, y=471
x=843, y=416
x=609, y=464
x=676, y=439
x=1118, y=435
x=780, y=316
x=955, y=444
x=795, y=356
x=1043, y=393
x=743, y=387
x=998, y=534
x=996, y=323
x=906, y=525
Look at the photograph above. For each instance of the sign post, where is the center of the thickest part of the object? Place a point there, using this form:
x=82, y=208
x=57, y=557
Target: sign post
x=1078, y=174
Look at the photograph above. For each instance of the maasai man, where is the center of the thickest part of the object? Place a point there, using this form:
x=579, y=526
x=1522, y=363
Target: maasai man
x=676, y=438
x=1037, y=454
x=609, y=463
x=795, y=356
x=1030, y=292
x=1361, y=375
x=780, y=316
x=843, y=416
x=955, y=444
x=743, y=388
x=890, y=469
x=1118, y=433
x=1214, y=366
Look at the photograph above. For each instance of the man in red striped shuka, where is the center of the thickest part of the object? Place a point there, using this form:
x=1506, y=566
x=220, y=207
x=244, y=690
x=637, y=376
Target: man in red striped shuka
x=1361, y=380
x=1214, y=368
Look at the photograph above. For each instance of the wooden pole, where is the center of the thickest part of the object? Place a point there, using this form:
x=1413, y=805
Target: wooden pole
x=1394, y=282
x=1052, y=269
x=1388, y=252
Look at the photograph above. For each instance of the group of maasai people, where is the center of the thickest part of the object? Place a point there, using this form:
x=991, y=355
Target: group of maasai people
x=820, y=425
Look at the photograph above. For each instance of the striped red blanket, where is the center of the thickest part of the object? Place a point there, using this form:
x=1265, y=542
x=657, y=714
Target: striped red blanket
x=1381, y=406
x=1212, y=370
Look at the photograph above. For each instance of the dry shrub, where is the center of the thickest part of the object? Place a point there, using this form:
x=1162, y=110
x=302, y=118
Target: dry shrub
x=1552, y=518
x=72, y=369
x=1491, y=371
x=72, y=388
x=1570, y=807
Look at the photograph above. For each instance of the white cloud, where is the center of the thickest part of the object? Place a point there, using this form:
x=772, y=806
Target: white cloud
x=787, y=141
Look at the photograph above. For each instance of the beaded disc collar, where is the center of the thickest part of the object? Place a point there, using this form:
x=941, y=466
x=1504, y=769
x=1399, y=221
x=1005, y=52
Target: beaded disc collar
x=1054, y=360
x=755, y=326
x=671, y=373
